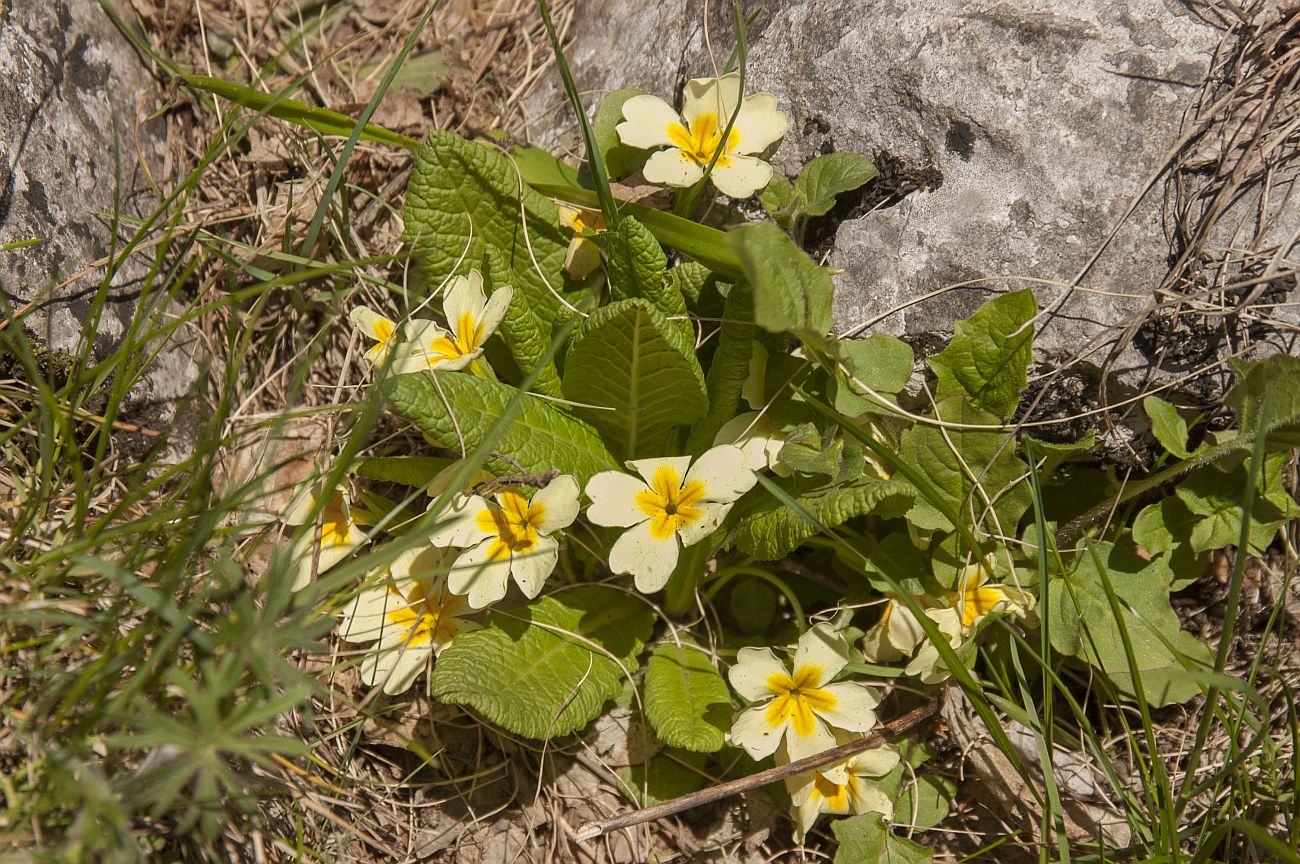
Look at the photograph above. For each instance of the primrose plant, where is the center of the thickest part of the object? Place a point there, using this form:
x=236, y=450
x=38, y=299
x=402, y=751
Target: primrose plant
x=819, y=532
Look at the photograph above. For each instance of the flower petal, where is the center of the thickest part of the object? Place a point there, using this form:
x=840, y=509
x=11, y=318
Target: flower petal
x=741, y=177
x=479, y=576
x=581, y=258
x=532, y=568
x=559, y=501
x=495, y=310
x=716, y=96
x=752, y=731
x=365, y=617
x=613, y=499
x=754, y=666
x=711, y=516
x=760, y=124
x=371, y=323
x=646, y=122
x=672, y=167
x=460, y=527
x=650, y=561
x=647, y=467
x=465, y=297
x=398, y=666
x=876, y=762
x=855, y=706
x=303, y=556
x=824, y=649
x=867, y=798
x=818, y=740
x=724, y=475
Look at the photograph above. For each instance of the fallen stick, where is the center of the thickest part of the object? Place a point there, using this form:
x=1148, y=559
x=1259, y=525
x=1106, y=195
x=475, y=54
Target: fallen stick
x=725, y=790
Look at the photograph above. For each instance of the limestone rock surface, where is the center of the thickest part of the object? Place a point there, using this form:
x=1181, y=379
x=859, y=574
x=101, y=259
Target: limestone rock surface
x=75, y=102
x=1033, y=137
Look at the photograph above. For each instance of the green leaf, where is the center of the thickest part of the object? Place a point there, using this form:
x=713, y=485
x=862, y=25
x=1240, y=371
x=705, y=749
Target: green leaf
x=687, y=702
x=465, y=197
x=729, y=370
x=866, y=839
x=1051, y=455
x=637, y=268
x=1167, y=425
x=630, y=363
x=456, y=410
x=1083, y=624
x=986, y=457
x=665, y=779
x=896, y=556
x=776, y=530
x=527, y=337
x=1215, y=498
x=620, y=160
x=275, y=105
x=827, y=176
x=804, y=452
x=1278, y=379
x=779, y=200
x=990, y=353
x=545, y=670
x=879, y=362
x=691, y=279
x=407, y=470
x=791, y=293
x=421, y=75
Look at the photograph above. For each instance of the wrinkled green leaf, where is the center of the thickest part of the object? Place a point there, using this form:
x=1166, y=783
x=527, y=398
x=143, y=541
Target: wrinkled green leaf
x=831, y=175
x=775, y=530
x=456, y=410
x=637, y=268
x=989, y=354
x=627, y=362
x=791, y=293
x=465, y=197
x=534, y=671
x=526, y=335
x=687, y=702
x=729, y=369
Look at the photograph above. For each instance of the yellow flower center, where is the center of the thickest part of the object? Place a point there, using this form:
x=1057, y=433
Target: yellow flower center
x=336, y=523
x=382, y=332
x=669, y=504
x=978, y=601
x=836, y=799
x=582, y=220
x=513, y=522
x=426, y=616
x=467, y=339
x=797, y=699
x=701, y=141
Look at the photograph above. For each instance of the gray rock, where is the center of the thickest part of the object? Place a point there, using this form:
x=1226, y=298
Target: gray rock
x=74, y=104
x=1046, y=120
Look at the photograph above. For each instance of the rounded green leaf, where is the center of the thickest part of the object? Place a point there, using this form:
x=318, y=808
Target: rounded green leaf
x=687, y=701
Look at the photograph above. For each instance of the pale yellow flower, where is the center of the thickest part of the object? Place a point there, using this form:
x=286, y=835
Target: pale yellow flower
x=508, y=536
x=378, y=328
x=583, y=255
x=801, y=707
x=473, y=317
x=757, y=439
x=337, y=536
x=410, y=615
x=692, y=138
x=671, y=504
x=896, y=635
x=843, y=788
